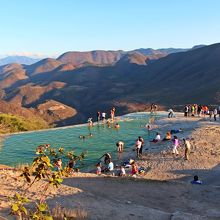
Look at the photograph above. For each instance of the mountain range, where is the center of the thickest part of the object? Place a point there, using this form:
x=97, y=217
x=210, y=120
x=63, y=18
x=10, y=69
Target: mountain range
x=96, y=57
x=18, y=59
x=76, y=85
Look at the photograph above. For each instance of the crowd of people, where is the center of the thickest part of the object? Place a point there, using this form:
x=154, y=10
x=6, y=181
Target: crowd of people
x=170, y=136
x=130, y=167
x=201, y=111
x=101, y=116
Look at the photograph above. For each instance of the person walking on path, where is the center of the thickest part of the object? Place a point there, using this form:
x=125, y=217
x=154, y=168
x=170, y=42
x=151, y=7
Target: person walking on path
x=187, y=148
x=175, y=145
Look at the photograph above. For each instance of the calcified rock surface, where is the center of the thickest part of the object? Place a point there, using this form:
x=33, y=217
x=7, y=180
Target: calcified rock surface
x=164, y=192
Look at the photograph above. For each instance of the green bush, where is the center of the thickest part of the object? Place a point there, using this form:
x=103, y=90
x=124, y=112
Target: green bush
x=11, y=123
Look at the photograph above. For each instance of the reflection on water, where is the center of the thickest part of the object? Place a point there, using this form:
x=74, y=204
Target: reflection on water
x=19, y=148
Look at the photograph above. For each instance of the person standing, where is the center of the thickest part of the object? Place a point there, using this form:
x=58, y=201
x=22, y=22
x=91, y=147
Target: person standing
x=103, y=116
x=170, y=113
x=175, y=145
x=187, y=148
x=113, y=113
x=199, y=110
x=219, y=111
x=193, y=110
x=215, y=112
x=120, y=146
x=142, y=145
x=98, y=116
x=186, y=110
x=210, y=114
x=138, y=147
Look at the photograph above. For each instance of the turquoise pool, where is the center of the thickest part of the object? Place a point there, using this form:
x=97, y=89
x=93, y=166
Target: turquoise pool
x=20, y=148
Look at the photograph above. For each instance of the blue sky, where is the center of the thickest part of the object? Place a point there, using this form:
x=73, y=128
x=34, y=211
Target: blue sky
x=51, y=27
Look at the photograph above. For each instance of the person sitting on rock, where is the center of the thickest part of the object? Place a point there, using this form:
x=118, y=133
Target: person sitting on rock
x=98, y=168
x=107, y=158
x=168, y=136
x=157, y=138
x=122, y=171
x=134, y=169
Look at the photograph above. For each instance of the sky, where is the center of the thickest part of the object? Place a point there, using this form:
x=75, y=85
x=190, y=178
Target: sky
x=52, y=27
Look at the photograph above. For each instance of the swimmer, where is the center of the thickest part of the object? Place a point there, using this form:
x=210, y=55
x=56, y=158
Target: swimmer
x=148, y=127
x=90, y=123
x=117, y=126
x=108, y=122
x=85, y=136
x=82, y=137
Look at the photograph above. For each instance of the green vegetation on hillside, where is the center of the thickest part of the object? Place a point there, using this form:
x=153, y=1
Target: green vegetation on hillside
x=11, y=123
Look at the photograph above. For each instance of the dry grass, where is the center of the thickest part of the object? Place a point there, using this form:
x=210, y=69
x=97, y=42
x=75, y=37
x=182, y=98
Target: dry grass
x=59, y=213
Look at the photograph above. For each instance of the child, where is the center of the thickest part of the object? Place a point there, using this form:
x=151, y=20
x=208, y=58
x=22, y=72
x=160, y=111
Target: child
x=58, y=164
x=134, y=170
x=122, y=171
x=98, y=168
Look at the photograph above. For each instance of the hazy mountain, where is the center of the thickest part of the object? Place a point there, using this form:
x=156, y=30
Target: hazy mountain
x=158, y=53
x=17, y=59
x=129, y=84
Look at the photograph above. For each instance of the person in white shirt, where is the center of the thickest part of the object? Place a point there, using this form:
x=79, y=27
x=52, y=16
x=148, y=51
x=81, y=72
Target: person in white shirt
x=122, y=171
x=170, y=113
x=157, y=138
x=138, y=147
x=103, y=116
x=110, y=166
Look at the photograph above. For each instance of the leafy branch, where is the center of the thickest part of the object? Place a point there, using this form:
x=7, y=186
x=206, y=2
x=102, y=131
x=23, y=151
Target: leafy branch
x=47, y=166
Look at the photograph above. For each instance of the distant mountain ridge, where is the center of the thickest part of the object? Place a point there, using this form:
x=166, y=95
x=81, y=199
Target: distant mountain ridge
x=97, y=57
x=18, y=59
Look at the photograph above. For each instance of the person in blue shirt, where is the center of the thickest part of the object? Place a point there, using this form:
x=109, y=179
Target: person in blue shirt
x=196, y=180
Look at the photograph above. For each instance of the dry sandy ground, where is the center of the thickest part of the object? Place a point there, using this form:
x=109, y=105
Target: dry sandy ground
x=163, y=193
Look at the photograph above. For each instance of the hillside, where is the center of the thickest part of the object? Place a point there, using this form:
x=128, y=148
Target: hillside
x=131, y=84
x=98, y=57
x=10, y=124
